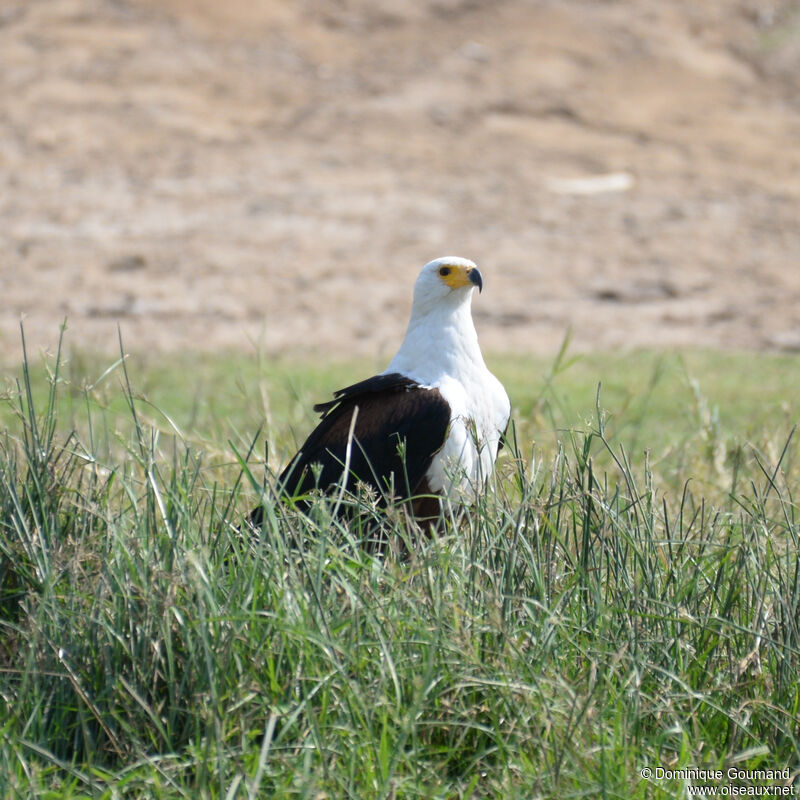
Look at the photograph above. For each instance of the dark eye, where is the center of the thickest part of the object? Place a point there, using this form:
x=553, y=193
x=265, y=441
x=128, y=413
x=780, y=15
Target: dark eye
x=444, y=271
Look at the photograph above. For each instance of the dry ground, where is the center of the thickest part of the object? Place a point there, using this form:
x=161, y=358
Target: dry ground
x=228, y=174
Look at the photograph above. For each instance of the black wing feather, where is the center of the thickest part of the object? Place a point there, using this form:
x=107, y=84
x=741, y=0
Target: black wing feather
x=395, y=414
x=393, y=382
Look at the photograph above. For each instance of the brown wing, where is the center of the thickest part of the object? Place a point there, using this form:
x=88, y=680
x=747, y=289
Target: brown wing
x=399, y=427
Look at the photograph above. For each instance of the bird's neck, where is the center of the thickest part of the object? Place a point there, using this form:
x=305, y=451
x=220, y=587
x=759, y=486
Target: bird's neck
x=438, y=340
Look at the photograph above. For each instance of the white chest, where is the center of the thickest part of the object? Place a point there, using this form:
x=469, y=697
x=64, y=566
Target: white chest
x=441, y=351
x=480, y=410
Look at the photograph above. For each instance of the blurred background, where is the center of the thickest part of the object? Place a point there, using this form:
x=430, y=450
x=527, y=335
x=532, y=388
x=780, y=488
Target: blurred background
x=273, y=173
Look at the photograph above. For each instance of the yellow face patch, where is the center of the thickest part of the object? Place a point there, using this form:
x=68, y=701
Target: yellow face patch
x=455, y=277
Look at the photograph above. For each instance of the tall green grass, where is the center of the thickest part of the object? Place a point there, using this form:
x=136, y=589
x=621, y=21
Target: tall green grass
x=626, y=595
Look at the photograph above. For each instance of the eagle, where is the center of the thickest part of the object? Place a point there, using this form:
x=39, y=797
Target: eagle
x=429, y=426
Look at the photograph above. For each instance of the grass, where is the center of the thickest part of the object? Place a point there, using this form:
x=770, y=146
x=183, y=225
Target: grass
x=627, y=596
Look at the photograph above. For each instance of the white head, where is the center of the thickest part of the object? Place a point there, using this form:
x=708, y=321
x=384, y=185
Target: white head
x=441, y=337
x=446, y=281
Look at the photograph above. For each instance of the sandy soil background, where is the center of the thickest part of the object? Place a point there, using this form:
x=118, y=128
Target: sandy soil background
x=238, y=174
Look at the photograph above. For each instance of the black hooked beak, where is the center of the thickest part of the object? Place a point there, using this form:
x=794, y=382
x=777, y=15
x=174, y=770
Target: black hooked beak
x=474, y=275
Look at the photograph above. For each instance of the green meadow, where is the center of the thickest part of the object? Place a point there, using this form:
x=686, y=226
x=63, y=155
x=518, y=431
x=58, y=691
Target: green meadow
x=626, y=595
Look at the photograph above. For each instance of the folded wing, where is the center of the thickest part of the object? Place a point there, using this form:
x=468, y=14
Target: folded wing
x=399, y=427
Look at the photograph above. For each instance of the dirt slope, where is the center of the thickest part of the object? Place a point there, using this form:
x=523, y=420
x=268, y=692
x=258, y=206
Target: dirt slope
x=218, y=175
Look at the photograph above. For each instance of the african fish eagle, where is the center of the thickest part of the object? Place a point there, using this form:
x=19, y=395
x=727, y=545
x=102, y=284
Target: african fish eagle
x=430, y=424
